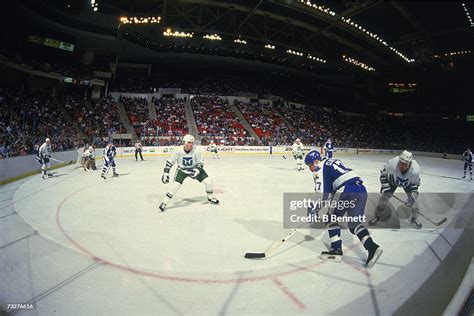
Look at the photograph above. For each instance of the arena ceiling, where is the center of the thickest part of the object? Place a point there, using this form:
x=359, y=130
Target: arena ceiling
x=347, y=34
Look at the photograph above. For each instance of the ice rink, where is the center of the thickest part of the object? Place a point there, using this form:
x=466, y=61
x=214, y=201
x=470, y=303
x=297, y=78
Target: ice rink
x=78, y=245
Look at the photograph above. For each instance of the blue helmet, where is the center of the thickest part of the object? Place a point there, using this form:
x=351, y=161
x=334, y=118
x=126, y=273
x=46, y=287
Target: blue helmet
x=311, y=157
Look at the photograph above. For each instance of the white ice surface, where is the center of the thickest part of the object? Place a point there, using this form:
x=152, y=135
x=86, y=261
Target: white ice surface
x=76, y=244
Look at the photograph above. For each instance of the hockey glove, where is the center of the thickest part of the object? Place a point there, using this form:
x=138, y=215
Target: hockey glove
x=165, y=178
x=384, y=181
x=411, y=198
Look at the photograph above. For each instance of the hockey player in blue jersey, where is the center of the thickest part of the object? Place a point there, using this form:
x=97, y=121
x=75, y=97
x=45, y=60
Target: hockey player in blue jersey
x=467, y=157
x=108, y=158
x=328, y=149
x=330, y=176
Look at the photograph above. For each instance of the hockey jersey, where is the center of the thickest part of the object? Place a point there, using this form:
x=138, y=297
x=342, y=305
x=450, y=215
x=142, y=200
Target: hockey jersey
x=297, y=149
x=332, y=175
x=409, y=179
x=44, y=151
x=109, y=152
x=187, y=160
x=467, y=156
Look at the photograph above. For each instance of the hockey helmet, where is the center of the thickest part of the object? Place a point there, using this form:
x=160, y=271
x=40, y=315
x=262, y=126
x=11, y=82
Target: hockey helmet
x=311, y=157
x=406, y=157
x=188, y=138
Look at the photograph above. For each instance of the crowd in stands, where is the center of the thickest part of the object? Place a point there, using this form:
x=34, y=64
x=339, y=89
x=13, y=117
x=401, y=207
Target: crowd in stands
x=267, y=123
x=96, y=118
x=162, y=141
x=26, y=119
x=315, y=126
x=137, y=111
x=169, y=126
x=211, y=84
x=215, y=118
x=170, y=117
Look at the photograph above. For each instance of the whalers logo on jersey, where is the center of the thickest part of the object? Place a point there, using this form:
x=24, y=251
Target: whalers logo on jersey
x=187, y=161
x=401, y=182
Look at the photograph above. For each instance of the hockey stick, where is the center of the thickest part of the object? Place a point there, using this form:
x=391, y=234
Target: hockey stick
x=275, y=246
x=283, y=157
x=57, y=160
x=441, y=222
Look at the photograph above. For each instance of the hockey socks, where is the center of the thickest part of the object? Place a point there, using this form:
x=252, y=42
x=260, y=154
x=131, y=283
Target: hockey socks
x=169, y=195
x=335, y=254
x=209, y=185
x=374, y=250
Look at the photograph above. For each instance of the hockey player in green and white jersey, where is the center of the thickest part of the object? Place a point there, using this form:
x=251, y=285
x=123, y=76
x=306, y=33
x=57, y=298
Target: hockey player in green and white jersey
x=190, y=164
x=213, y=149
x=298, y=153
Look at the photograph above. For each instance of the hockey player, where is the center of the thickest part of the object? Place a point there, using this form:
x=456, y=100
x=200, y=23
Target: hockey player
x=43, y=156
x=467, y=157
x=89, y=159
x=138, y=150
x=402, y=171
x=328, y=149
x=190, y=164
x=298, y=153
x=108, y=158
x=213, y=149
x=330, y=175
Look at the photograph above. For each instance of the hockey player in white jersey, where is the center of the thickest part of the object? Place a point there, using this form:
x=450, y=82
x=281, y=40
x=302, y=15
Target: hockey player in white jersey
x=404, y=172
x=89, y=159
x=298, y=153
x=190, y=164
x=43, y=157
x=213, y=149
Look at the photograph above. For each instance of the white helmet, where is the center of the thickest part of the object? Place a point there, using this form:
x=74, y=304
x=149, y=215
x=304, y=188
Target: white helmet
x=406, y=157
x=47, y=140
x=90, y=148
x=188, y=138
x=297, y=140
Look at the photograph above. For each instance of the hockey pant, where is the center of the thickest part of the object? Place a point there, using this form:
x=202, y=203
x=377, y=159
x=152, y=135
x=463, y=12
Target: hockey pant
x=357, y=194
x=45, y=164
x=108, y=162
x=299, y=160
x=467, y=164
x=181, y=175
x=387, y=189
x=138, y=151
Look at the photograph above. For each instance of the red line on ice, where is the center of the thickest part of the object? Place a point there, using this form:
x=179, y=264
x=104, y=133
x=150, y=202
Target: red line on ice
x=171, y=277
x=289, y=294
